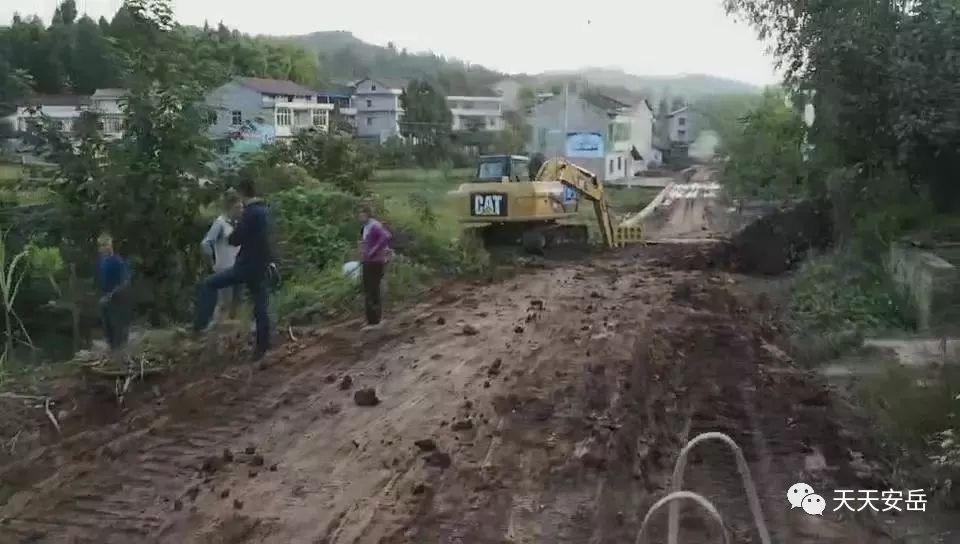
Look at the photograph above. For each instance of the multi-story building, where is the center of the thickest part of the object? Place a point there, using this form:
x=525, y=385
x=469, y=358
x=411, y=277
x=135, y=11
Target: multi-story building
x=476, y=113
x=604, y=135
x=378, y=106
x=271, y=106
x=108, y=105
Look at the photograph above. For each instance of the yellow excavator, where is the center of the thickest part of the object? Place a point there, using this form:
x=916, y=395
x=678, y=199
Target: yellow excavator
x=512, y=200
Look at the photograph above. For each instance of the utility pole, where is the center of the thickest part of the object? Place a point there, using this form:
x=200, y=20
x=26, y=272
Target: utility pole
x=566, y=118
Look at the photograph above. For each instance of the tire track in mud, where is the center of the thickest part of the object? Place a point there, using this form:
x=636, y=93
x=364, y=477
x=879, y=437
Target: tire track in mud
x=122, y=490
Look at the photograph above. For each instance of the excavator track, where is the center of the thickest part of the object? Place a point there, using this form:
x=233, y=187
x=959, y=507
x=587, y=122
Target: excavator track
x=536, y=238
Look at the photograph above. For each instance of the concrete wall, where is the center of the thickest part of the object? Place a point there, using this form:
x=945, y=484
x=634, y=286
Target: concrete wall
x=930, y=283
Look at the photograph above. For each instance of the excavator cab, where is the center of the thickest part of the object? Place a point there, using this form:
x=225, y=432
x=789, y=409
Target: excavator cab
x=503, y=169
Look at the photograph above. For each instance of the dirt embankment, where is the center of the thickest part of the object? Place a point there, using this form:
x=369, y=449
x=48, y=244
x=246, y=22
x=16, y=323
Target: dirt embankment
x=546, y=408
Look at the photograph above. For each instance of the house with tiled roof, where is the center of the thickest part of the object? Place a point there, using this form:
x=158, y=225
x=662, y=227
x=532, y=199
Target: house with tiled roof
x=265, y=109
x=608, y=136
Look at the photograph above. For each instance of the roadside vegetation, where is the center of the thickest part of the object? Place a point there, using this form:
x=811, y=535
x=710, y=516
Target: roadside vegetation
x=883, y=152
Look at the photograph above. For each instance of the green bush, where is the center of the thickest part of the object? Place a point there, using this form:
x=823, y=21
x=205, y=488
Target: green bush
x=318, y=232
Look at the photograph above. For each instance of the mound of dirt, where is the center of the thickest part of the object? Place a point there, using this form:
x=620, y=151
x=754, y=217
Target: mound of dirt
x=776, y=242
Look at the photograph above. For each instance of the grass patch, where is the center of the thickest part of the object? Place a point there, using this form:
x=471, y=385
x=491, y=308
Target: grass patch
x=838, y=298
x=910, y=405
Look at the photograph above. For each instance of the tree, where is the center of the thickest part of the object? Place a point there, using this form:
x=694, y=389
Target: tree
x=766, y=157
x=426, y=116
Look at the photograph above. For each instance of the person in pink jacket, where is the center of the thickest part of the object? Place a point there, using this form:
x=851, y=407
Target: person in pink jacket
x=375, y=253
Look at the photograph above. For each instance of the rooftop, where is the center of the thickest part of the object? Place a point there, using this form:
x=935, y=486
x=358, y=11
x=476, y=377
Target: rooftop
x=274, y=86
x=604, y=102
x=55, y=100
x=110, y=93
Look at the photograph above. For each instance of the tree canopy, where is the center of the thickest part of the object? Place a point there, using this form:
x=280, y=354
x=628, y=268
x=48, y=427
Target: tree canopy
x=75, y=54
x=883, y=77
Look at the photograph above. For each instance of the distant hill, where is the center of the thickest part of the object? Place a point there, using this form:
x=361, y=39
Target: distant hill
x=689, y=86
x=346, y=57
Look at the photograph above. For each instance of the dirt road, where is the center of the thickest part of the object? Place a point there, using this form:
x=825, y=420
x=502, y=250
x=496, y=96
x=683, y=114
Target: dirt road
x=548, y=408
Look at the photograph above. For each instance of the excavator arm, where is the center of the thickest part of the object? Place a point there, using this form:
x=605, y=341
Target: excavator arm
x=586, y=184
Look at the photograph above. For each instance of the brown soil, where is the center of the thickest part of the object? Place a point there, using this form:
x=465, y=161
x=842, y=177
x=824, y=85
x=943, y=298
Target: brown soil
x=548, y=407
x=557, y=418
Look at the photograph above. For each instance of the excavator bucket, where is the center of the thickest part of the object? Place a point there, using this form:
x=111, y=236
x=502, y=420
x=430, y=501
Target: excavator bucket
x=624, y=236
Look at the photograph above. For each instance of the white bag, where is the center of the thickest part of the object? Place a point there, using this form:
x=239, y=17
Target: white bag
x=352, y=270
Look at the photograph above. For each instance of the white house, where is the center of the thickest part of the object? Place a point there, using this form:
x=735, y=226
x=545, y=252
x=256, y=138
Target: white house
x=476, y=113
x=109, y=105
x=378, y=106
x=63, y=110
x=283, y=108
x=604, y=135
x=680, y=130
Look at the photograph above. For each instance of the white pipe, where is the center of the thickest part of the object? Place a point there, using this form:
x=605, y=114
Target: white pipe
x=672, y=498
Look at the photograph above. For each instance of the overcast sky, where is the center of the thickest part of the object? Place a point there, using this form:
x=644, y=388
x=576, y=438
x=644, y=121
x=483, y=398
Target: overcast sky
x=647, y=37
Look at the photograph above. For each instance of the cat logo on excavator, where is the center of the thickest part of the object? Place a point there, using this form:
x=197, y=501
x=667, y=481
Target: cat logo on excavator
x=489, y=205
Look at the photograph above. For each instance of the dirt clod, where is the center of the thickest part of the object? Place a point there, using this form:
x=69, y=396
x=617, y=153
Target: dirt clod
x=192, y=493
x=427, y=444
x=462, y=425
x=211, y=464
x=252, y=474
x=227, y=455
x=470, y=330
x=419, y=489
x=495, y=368
x=346, y=383
x=273, y=468
x=250, y=450
x=486, y=384
x=256, y=461
x=518, y=329
x=441, y=321
x=366, y=397
x=225, y=493
x=331, y=409
x=331, y=378
x=237, y=504
x=438, y=459
x=177, y=505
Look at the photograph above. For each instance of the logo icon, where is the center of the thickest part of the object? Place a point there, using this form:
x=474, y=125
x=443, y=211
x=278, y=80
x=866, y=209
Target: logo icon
x=489, y=205
x=814, y=504
x=796, y=494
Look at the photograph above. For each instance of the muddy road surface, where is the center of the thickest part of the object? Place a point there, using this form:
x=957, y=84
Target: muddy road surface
x=548, y=408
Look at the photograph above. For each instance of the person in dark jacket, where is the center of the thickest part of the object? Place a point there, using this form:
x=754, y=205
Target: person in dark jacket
x=255, y=258
x=113, y=278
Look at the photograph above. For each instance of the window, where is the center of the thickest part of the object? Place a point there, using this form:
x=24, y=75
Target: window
x=283, y=117
x=611, y=166
x=542, y=138
x=491, y=122
x=682, y=121
x=682, y=134
x=369, y=103
x=369, y=121
x=236, y=118
x=212, y=118
x=289, y=98
x=319, y=118
x=373, y=87
x=619, y=163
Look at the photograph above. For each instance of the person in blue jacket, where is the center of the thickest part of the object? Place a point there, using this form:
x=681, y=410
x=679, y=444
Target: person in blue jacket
x=113, y=278
x=254, y=260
